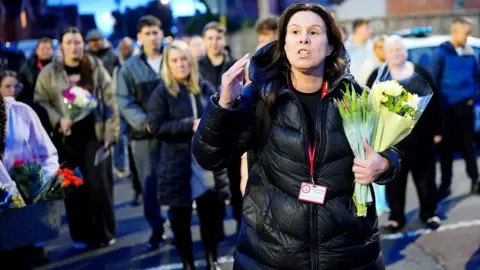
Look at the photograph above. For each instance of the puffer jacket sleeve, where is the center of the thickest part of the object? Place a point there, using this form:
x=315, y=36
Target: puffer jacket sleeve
x=224, y=133
x=393, y=155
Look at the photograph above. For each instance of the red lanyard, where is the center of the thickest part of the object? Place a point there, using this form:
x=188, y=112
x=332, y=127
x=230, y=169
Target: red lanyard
x=311, y=151
x=39, y=64
x=324, y=89
x=311, y=156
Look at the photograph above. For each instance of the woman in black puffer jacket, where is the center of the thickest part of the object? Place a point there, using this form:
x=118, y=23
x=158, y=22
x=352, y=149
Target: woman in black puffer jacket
x=297, y=78
x=173, y=111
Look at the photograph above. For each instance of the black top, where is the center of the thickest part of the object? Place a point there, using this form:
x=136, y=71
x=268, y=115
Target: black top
x=28, y=76
x=213, y=74
x=72, y=70
x=45, y=62
x=218, y=75
x=310, y=103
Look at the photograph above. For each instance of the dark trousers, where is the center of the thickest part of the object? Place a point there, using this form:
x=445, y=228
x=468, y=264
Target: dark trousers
x=459, y=126
x=210, y=213
x=234, y=177
x=420, y=161
x=90, y=212
x=137, y=186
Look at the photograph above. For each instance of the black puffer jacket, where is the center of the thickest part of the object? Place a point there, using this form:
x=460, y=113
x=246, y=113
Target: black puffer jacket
x=278, y=231
x=171, y=121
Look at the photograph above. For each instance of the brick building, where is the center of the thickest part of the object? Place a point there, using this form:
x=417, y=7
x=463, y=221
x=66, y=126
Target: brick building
x=18, y=19
x=405, y=7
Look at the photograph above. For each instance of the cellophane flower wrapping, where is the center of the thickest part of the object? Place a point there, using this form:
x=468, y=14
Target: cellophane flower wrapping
x=29, y=177
x=358, y=122
x=9, y=195
x=24, y=170
x=398, y=106
x=64, y=182
x=80, y=103
x=384, y=116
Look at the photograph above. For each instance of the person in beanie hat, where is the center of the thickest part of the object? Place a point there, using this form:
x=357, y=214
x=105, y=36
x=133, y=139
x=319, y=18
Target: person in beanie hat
x=99, y=47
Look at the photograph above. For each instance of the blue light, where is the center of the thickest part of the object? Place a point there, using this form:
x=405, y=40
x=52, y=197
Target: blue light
x=414, y=31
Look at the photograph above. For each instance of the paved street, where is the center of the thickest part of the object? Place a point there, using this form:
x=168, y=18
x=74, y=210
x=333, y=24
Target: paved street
x=456, y=245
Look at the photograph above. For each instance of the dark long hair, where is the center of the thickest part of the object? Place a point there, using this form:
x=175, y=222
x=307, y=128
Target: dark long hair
x=7, y=73
x=3, y=124
x=278, y=72
x=86, y=67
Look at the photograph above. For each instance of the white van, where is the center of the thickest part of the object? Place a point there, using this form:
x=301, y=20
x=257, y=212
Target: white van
x=420, y=50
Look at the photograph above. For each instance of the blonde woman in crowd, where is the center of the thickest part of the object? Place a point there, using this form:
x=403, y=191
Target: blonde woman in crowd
x=173, y=116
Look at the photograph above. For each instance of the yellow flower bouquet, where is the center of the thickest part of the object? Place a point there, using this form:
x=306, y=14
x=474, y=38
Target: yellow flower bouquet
x=385, y=115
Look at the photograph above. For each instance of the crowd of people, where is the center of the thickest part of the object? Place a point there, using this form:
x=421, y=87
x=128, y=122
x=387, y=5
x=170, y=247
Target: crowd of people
x=182, y=121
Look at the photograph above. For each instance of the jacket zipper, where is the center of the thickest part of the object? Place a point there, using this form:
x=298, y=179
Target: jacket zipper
x=318, y=156
x=315, y=151
x=311, y=207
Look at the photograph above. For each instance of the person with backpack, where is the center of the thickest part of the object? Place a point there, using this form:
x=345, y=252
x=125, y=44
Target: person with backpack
x=297, y=79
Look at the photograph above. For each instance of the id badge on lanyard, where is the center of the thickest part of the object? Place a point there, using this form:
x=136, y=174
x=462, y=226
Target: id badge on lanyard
x=309, y=191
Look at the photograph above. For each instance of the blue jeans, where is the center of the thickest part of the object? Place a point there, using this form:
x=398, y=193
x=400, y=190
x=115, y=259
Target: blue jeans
x=121, y=149
x=146, y=158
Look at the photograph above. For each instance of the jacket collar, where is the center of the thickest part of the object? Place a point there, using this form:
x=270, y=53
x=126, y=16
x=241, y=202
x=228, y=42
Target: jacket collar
x=467, y=49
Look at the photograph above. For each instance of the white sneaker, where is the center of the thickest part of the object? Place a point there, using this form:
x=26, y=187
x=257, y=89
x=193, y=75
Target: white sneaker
x=433, y=222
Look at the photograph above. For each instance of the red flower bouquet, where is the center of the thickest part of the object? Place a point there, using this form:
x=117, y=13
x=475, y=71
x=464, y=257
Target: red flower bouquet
x=63, y=183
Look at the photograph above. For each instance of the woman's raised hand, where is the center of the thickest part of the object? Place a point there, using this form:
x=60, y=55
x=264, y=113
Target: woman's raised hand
x=232, y=83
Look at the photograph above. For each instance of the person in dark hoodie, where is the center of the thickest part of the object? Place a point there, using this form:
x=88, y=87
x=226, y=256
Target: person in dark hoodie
x=457, y=73
x=304, y=149
x=29, y=71
x=216, y=61
x=419, y=146
x=98, y=46
x=28, y=75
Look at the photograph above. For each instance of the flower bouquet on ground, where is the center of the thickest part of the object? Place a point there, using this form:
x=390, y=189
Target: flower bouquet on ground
x=9, y=197
x=29, y=177
x=384, y=116
x=62, y=183
x=80, y=103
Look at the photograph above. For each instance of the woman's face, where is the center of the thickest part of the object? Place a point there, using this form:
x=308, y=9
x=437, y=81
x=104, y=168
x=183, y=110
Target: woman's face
x=395, y=53
x=72, y=46
x=178, y=65
x=306, y=42
x=8, y=86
